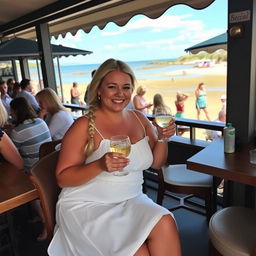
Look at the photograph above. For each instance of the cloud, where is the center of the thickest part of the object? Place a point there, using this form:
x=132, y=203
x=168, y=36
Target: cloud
x=161, y=24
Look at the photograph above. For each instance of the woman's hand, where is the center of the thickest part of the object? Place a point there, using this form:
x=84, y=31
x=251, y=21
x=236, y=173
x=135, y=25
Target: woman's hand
x=167, y=131
x=42, y=113
x=112, y=161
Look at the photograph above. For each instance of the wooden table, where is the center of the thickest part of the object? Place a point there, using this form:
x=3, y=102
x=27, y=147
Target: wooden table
x=15, y=188
x=235, y=166
x=232, y=167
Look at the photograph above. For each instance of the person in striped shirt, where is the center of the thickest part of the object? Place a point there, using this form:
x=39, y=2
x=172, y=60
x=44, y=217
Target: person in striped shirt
x=29, y=131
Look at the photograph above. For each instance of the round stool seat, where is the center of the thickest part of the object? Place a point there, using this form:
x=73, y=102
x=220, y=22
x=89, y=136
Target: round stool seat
x=232, y=231
x=179, y=175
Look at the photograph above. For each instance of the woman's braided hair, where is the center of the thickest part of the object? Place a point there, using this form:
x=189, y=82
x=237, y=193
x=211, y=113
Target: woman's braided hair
x=94, y=101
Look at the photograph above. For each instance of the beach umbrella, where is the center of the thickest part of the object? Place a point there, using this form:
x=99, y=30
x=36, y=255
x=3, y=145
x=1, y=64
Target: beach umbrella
x=211, y=45
x=19, y=48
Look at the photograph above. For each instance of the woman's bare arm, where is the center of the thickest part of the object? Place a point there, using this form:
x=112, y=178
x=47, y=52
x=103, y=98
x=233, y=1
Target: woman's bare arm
x=159, y=149
x=10, y=152
x=71, y=168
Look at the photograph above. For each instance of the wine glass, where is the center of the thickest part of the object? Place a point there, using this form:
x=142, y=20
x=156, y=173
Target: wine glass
x=120, y=144
x=163, y=117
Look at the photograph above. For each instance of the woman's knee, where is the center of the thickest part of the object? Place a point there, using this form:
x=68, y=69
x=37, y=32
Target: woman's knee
x=166, y=224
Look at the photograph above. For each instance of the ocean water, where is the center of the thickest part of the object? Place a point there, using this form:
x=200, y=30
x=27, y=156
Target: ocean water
x=82, y=73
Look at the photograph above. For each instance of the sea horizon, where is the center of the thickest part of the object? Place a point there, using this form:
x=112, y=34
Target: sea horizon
x=81, y=73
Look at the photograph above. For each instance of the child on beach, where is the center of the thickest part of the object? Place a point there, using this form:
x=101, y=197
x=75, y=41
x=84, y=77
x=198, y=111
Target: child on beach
x=201, y=103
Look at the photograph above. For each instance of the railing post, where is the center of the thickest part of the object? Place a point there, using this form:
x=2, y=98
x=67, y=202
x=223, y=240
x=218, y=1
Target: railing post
x=192, y=133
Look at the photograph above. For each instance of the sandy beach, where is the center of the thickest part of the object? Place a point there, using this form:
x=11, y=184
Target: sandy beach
x=214, y=79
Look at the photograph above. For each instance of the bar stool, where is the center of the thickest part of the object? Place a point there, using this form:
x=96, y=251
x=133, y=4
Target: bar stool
x=176, y=178
x=232, y=232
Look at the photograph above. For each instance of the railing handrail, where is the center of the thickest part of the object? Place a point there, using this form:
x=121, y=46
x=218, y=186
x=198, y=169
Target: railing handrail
x=190, y=123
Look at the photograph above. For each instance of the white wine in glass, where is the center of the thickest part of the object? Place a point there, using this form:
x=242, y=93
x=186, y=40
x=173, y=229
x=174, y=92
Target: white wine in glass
x=120, y=144
x=163, y=118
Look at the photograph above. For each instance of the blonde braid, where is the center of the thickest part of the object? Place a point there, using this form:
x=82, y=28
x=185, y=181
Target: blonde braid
x=90, y=145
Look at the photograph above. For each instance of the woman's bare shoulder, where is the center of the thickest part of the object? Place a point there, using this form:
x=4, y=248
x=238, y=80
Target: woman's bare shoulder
x=80, y=123
x=140, y=115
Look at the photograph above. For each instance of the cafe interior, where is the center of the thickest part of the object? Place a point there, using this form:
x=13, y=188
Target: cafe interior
x=227, y=225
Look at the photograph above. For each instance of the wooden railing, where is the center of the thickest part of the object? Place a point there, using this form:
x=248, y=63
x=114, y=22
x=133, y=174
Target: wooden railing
x=181, y=123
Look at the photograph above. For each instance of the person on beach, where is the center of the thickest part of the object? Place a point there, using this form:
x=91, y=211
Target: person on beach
x=95, y=212
x=52, y=111
x=86, y=98
x=74, y=93
x=159, y=106
x=179, y=103
x=8, y=150
x=201, y=103
x=223, y=100
x=139, y=101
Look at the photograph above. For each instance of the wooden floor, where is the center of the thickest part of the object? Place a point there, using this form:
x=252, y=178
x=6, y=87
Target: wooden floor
x=192, y=227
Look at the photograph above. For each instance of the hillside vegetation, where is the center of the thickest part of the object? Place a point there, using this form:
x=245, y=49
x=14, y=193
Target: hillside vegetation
x=218, y=57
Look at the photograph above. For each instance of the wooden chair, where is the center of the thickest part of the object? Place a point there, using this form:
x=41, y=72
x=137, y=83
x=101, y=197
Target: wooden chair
x=232, y=232
x=43, y=177
x=176, y=178
x=48, y=147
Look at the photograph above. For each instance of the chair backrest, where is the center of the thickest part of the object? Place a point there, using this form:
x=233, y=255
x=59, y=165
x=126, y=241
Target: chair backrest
x=43, y=177
x=48, y=147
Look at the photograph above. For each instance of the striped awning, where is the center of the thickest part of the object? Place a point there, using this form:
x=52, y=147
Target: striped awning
x=88, y=13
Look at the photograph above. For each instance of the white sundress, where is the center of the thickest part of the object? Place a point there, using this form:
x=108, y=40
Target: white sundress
x=108, y=216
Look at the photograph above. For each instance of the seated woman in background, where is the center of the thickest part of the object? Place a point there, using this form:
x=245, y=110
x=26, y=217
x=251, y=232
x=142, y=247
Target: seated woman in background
x=159, y=106
x=55, y=115
x=7, y=149
x=29, y=132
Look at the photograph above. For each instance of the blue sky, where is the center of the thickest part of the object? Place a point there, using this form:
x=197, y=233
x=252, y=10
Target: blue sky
x=143, y=38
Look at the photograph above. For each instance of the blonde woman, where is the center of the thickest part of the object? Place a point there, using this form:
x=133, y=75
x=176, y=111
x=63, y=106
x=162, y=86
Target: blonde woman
x=139, y=101
x=179, y=103
x=159, y=106
x=52, y=111
x=100, y=213
x=7, y=148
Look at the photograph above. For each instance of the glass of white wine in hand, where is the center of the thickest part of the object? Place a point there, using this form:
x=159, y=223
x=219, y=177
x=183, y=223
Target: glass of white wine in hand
x=120, y=144
x=163, y=118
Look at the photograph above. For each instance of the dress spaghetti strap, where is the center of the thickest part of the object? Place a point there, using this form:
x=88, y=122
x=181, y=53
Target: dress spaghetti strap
x=140, y=122
x=98, y=132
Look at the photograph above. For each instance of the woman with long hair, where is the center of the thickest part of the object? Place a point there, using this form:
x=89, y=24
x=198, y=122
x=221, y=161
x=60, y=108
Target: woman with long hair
x=7, y=149
x=99, y=213
x=52, y=111
x=159, y=105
